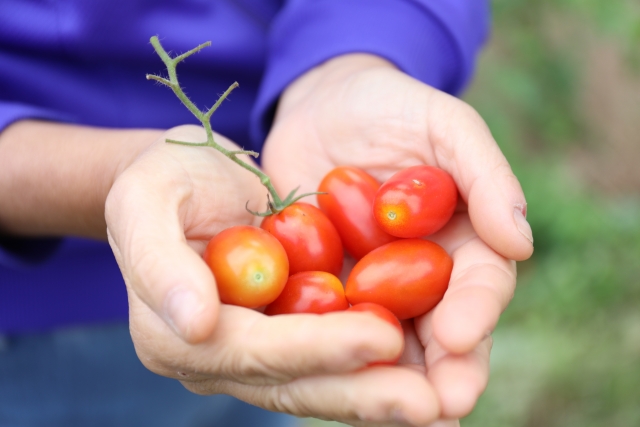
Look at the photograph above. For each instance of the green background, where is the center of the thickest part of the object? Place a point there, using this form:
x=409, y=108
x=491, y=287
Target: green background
x=559, y=86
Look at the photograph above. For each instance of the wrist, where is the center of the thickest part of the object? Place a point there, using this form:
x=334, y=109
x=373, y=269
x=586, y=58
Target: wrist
x=55, y=177
x=334, y=71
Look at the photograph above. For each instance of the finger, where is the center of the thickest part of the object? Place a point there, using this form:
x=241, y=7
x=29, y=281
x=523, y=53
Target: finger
x=250, y=348
x=464, y=146
x=445, y=423
x=459, y=380
x=369, y=397
x=158, y=264
x=482, y=284
x=146, y=234
x=413, y=353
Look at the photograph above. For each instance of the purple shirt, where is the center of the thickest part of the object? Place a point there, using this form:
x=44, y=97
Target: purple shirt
x=85, y=62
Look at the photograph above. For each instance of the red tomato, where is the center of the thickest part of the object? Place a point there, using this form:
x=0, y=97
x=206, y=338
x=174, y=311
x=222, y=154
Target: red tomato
x=348, y=205
x=249, y=264
x=408, y=277
x=310, y=292
x=384, y=314
x=415, y=202
x=309, y=238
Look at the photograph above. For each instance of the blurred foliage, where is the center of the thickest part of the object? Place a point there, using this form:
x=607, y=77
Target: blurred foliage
x=567, y=350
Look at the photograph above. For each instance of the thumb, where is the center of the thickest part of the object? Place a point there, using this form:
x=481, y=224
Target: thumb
x=145, y=230
x=497, y=207
x=498, y=211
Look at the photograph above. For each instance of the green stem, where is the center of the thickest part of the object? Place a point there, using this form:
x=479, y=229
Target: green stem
x=276, y=204
x=171, y=64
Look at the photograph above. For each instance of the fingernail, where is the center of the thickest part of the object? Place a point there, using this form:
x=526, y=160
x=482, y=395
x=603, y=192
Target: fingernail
x=523, y=226
x=181, y=305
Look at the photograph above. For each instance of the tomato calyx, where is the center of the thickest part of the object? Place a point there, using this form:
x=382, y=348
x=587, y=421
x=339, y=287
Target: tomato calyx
x=274, y=208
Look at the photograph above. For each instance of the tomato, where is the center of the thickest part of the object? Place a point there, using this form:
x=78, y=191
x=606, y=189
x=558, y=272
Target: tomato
x=309, y=238
x=408, y=277
x=348, y=205
x=250, y=266
x=415, y=202
x=310, y=292
x=384, y=314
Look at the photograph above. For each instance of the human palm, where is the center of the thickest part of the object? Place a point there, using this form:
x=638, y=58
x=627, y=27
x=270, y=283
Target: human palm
x=359, y=110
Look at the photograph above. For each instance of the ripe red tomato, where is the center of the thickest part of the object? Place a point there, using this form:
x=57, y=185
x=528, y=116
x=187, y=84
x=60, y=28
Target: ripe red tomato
x=249, y=264
x=348, y=205
x=415, y=202
x=384, y=314
x=309, y=238
x=310, y=292
x=408, y=277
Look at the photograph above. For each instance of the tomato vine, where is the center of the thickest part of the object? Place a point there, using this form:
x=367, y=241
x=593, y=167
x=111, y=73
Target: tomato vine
x=275, y=204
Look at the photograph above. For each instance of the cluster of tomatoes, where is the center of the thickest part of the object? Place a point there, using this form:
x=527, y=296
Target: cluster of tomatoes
x=292, y=262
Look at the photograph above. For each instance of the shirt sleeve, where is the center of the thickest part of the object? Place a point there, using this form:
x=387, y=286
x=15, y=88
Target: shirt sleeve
x=23, y=252
x=435, y=41
x=11, y=112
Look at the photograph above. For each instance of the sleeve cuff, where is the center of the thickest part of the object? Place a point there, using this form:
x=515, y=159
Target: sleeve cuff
x=11, y=112
x=430, y=43
x=22, y=252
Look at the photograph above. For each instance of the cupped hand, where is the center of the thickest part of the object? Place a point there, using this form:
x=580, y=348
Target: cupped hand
x=360, y=110
x=160, y=213
x=162, y=210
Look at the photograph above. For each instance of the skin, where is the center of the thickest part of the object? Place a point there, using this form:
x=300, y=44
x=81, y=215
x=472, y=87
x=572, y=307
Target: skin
x=383, y=313
x=53, y=182
x=360, y=110
x=159, y=203
x=156, y=204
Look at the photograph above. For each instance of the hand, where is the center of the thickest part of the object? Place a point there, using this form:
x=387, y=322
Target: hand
x=160, y=213
x=360, y=110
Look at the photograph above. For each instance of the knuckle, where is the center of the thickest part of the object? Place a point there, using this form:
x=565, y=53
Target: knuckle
x=205, y=387
x=495, y=279
x=254, y=367
x=285, y=399
x=466, y=113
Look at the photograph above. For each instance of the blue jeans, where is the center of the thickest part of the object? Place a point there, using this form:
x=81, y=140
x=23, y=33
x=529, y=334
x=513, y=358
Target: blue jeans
x=91, y=376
